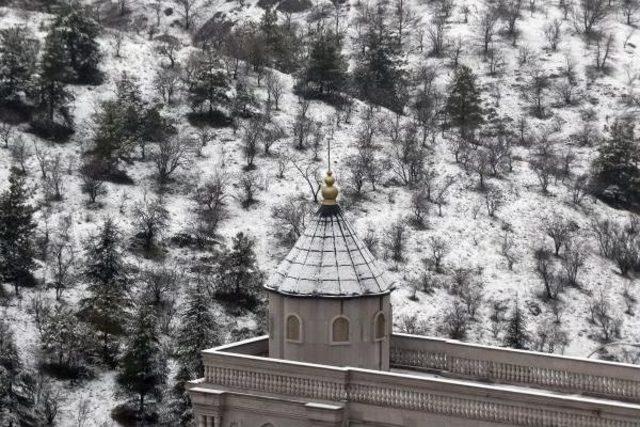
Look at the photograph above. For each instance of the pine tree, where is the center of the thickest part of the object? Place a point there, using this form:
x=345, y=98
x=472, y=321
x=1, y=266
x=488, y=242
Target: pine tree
x=110, y=139
x=326, y=70
x=210, y=84
x=464, y=103
x=616, y=166
x=239, y=275
x=78, y=33
x=64, y=341
x=10, y=367
x=16, y=233
x=517, y=335
x=52, y=98
x=105, y=309
x=379, y=75
x=198, y=330
x=143, y=367
x=18, y=60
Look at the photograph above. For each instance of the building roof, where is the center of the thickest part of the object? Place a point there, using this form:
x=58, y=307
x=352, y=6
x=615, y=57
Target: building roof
x=329, y=260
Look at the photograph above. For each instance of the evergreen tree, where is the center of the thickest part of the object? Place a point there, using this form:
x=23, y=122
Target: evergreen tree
x=19, y=388
x=51, y=97
x=110, y=139
x=63, y=341
x=464, y=103
x=517, y=335
x=125, y=121
x=77, y=33
x=616, y=166
x=275, y=44
x=210, y=85
x=10, y=367
x=16, y=233
x=105, y=309
x=18, y=61
x=239, y=275
x=378, y=75
x=143, y=367
x=198, y=330
x=326, y=70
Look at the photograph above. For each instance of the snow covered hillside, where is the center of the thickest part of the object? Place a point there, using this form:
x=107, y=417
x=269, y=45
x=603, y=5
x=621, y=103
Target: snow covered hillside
x=474, y=221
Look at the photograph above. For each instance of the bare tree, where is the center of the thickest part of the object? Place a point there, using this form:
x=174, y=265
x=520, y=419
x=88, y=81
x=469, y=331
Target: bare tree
x=579, y=188
x=248, y=188
x=536, y=90
x=404, y=18
x=440, y=192
x=118, y=39
x=496, y=61
x=309, y=173
x=20, y=153
x=291, y=218
x=604, y=50
x=560, y=230
x=602, y=316
x=92, y=180
x=166, y=83
x=629, y=9
x=437, y=36
x=169, y=47
x=547, y=273
x=53, y=178
x=302, y=126
x=171, y=155
x=456, y=320
x=6, y=134
x=469, y=288
x=210, y=200
x=439, y=249
x=62, y=253
x=508, y=249
x=157, y=6
x=408, y=157
x=420, y=207
x=544, y=163
x=486, y=26
x=275, y=88
x=572, y=261
x=151, y=219
x=480, y=164
x=395, y=240
x=251, y=137
x=190, y=10
x=553, y=33
x=511, y=11
x=590, y=14
x=493, y=199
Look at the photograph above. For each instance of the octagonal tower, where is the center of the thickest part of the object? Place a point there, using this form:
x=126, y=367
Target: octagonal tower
x=329, y=301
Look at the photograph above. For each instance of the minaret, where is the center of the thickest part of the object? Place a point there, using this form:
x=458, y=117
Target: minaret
x=329, y=301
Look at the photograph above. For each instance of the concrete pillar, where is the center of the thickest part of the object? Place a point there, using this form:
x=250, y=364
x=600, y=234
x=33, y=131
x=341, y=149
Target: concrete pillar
x=217, y=421
x=202, y=421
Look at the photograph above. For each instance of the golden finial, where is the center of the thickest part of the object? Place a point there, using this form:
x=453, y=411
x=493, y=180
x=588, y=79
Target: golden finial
x=329, y=192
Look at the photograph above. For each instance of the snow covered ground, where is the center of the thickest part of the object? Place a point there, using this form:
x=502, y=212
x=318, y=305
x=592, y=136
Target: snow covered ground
x=475, y=238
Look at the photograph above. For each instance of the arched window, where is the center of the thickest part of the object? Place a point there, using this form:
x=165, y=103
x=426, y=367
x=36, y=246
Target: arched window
x=294, y=328
x=340, y=330
x=379, y=327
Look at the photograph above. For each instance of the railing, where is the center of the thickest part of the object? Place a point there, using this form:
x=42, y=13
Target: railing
x=492, y=403
x=615, y=381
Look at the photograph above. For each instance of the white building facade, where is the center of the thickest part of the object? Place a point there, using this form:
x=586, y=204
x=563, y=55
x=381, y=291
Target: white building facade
x=331, y=359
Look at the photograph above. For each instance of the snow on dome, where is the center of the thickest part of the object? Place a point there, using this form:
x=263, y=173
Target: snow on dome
x=329, y=260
